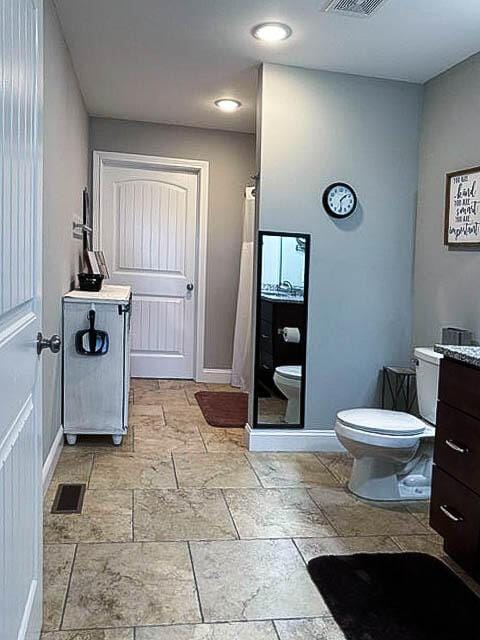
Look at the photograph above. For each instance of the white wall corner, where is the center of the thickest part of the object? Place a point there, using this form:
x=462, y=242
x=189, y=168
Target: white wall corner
x=292, y=440
x=52, y=459
x=215, y=376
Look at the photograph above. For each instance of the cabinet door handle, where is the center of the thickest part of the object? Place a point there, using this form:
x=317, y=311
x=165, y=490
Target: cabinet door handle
x=452, y=516
x=456, y=447
x=264, y=336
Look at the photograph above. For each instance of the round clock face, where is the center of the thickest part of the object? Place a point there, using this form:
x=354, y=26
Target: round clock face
x=340, y=200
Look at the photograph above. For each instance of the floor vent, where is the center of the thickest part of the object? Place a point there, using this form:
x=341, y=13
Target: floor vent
x=356, y=8
x=69, y=498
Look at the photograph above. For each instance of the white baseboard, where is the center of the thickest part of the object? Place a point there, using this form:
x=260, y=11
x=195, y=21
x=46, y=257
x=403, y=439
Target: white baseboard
x=215, y=376
x=293, y=440
x=52, y=459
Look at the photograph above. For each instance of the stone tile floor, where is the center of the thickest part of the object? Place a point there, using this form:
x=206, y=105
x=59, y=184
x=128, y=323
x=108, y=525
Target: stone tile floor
x=184, y=535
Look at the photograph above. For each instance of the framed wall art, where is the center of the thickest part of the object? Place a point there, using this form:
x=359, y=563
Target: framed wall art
x=462, y=208
x=91, y=262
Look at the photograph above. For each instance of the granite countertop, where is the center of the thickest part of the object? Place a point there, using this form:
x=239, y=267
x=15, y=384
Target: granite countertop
x=281, y=298
x=469, y=355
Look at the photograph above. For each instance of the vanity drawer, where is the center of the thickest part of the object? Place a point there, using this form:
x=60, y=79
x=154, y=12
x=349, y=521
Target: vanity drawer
x=266, y=332
x=266, y=310
x=266, y=362
x=459, y=386
x=457, y=445
x=455, y=514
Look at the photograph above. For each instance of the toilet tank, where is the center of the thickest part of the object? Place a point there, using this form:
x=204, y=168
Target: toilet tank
x=428, y=370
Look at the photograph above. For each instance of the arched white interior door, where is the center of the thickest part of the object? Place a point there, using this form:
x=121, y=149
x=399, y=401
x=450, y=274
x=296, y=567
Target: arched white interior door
x=148, y=228
x=21, y=35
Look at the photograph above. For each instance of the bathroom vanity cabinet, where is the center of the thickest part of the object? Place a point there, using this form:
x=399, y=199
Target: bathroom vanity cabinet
x=273, y=350
x=455, y=503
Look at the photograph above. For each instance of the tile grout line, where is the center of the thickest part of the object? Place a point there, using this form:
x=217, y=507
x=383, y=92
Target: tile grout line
x=298, y=549
x=174, y=471
x=197, y=590
x=277, y=633
x=330, y=522
x=329, y=471
x=222, y=491
x=133, y=515
x=392, y=539
x=302, y=537
x=262, y=486
x=202, y=438
x=67, y=591
x=199, y=431
x=91, y=471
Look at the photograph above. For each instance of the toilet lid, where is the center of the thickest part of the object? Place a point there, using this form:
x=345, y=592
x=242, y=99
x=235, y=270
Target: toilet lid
x=392, y=423
x=292, y=372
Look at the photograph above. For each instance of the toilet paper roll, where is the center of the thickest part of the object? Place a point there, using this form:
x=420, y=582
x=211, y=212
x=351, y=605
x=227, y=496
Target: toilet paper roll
x=291, y=334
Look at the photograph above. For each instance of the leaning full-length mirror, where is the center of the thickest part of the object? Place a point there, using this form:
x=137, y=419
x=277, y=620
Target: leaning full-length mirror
x=281, y=329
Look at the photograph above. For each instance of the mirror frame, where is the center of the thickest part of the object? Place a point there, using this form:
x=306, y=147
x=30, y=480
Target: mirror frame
x=282, y=234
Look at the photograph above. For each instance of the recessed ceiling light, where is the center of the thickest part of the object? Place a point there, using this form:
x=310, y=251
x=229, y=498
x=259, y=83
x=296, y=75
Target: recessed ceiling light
x=271, y=31
x=228, y=104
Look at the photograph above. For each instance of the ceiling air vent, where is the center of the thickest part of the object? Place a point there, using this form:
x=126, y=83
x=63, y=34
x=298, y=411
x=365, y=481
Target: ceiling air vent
x=356, y=8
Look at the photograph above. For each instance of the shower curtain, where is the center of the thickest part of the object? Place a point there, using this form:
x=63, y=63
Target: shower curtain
x=242, y=348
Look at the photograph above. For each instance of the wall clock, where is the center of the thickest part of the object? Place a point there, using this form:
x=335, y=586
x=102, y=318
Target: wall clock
x=339, y=200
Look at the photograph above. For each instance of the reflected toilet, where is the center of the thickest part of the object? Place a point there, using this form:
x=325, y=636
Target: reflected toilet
x=392, y=450
x=288, y=380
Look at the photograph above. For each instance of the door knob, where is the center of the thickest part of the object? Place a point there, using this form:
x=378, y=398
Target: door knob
x=189, y=286
x=53, y=344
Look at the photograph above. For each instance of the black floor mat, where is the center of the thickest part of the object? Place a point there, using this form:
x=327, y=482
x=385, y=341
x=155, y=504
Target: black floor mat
x=404, y=596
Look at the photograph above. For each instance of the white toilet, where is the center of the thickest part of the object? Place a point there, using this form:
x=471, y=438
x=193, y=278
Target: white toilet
x=288, y=380
x=392, y=450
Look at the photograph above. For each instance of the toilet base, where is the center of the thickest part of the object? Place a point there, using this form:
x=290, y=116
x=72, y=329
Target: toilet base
x=292, y=414
x=290, y=389
x=381, y=480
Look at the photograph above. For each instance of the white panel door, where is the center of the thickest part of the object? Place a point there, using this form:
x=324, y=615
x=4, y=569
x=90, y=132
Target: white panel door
x=148, y=221
x=20, y=311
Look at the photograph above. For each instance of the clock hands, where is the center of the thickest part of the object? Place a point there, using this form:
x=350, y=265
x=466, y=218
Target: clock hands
x=339, y=200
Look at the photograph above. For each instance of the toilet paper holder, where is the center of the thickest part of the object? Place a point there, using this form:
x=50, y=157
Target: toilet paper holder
x=290, y=334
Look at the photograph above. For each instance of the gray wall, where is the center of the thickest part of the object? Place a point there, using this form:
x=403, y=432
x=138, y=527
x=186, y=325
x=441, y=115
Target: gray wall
x=65, y=175
x=446, y=281
x=232, y=162
x=317, y=128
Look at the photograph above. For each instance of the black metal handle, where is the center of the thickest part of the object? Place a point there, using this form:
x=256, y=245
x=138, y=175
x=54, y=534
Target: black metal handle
x=189, y=286
x=54, y=343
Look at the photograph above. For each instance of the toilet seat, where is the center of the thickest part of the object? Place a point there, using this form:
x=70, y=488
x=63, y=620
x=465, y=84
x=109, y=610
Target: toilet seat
x=382, y=422
x=291, y=372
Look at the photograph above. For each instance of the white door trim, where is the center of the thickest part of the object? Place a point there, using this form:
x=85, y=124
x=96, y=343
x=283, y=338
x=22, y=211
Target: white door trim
x=102, y=159
x=215, y=376
x=292, y=440
x=51, y=460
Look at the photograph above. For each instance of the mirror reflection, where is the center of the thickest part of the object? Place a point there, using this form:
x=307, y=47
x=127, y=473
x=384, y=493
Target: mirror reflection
x=281, y=329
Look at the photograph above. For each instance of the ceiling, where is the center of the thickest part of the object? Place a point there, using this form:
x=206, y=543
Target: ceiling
x=168, y=60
